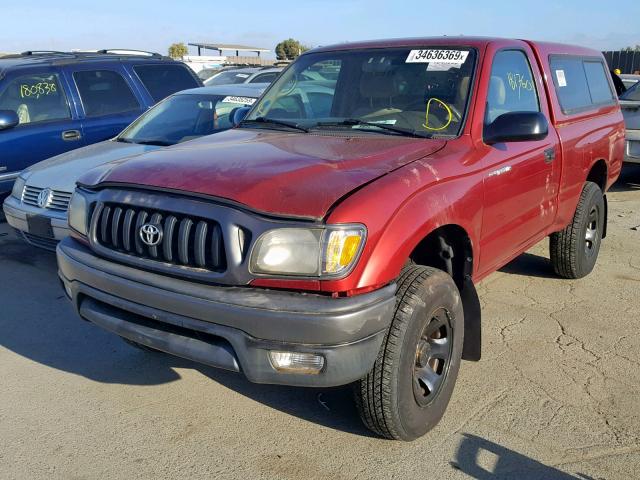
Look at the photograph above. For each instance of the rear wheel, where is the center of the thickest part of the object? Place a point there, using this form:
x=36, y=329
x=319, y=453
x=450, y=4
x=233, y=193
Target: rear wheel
x=575, y=249
x=407, y=392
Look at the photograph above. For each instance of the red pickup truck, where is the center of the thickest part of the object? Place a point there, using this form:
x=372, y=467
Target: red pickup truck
x=336, y=234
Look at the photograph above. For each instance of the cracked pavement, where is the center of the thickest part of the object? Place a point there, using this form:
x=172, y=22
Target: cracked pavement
x=556, y=395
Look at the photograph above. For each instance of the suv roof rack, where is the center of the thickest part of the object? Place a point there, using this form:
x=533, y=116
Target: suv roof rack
x=29, y=53
x=127, y=51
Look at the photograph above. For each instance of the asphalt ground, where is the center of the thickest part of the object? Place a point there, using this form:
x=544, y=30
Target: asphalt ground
x=556, y=395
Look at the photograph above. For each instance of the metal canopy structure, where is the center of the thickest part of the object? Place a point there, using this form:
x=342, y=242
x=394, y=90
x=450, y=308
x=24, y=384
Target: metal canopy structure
x=220, y=47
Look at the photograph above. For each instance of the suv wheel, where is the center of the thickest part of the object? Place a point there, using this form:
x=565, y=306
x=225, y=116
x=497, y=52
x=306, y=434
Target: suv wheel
x=408, y=390
x=574, y=250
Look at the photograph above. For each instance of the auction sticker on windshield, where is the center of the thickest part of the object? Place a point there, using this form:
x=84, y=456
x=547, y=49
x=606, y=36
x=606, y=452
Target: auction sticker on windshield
x=245, y=100
x=449, y=57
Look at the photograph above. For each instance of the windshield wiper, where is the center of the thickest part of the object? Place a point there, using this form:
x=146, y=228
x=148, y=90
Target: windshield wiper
x=357, y=122
x=273, y=121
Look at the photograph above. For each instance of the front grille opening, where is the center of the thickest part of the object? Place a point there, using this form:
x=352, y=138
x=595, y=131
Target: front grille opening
x=186, y=241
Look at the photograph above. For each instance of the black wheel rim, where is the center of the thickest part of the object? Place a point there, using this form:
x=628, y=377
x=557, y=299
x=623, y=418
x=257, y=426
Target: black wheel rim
x=433, y=356
x=591, y=236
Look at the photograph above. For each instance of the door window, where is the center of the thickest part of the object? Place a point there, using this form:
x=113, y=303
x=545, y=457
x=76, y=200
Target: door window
x=104, y=92
x=265, y=77
x=36, y=98
x=164, y=80
x=511, y=87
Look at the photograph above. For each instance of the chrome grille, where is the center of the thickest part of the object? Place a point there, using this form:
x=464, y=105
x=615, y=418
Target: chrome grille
x=186, y=240
x=57, y=200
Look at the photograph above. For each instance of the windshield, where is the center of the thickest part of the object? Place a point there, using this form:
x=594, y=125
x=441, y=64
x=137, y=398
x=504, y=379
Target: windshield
x=421, y=92
x=632, y=94
x=228, y=77
x=183, y=117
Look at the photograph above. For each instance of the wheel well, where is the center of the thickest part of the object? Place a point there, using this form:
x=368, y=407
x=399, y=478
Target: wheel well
x=449, y=248
x=598, y=174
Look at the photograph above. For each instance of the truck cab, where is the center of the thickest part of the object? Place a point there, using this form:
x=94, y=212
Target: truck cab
x=336, y=235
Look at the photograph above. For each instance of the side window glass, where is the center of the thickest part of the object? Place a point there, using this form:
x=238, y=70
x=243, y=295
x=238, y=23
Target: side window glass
x=104, y=92
x=511, y=86
x=570, y=82
x=163, y=80
x=264, y=78
x=598, y=82
x=36, y=98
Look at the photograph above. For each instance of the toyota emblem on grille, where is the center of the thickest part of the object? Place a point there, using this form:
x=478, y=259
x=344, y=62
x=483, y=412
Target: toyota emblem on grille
x=150, y=234
x=44, y=197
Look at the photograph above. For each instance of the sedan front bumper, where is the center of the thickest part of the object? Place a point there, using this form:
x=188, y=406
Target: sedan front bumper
x=632, y=146
x=17, y=213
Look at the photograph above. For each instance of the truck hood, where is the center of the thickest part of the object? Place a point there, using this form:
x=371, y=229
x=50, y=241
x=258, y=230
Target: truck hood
x=279, y=173
x=62, y=171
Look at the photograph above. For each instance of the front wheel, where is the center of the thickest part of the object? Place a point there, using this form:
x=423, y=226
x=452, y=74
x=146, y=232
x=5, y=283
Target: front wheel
x=407, y=392
x=575, y=249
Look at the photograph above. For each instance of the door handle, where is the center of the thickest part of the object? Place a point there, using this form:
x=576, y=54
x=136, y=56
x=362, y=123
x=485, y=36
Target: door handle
x=70, y=135
x=549, y=155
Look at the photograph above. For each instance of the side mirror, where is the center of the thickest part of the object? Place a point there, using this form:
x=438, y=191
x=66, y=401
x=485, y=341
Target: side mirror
x=238, y=114
x=516, y=127
x=8, y=119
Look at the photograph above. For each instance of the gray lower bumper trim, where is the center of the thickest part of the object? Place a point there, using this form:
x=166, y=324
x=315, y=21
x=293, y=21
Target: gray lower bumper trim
x=216, y=354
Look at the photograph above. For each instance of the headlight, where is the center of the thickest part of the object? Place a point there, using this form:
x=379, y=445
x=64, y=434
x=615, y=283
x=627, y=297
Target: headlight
x=78, y=212
x=310, y=252
x=18, y=187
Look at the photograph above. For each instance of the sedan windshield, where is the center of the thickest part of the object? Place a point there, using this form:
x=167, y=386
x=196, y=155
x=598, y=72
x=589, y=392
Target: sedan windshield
x=395, y=91
x=183, y=117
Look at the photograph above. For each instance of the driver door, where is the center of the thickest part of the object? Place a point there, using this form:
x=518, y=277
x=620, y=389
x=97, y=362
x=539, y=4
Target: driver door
x=521, y=179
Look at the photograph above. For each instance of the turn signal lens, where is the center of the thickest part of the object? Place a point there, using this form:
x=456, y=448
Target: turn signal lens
x=296, y=362
x=342, y=248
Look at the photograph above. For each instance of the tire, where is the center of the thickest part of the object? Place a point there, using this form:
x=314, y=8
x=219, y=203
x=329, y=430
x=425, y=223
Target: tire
x=393, y=399
x=139, y=346
x=575, y=249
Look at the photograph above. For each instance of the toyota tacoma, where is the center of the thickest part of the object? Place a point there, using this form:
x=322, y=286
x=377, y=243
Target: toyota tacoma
x=336, y=234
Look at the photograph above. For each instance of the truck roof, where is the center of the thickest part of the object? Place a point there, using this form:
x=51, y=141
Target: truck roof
x=475, y=42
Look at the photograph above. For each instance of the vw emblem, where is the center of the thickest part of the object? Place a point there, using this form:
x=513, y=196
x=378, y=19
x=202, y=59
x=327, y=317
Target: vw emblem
x=150, y=234
x=44, y=197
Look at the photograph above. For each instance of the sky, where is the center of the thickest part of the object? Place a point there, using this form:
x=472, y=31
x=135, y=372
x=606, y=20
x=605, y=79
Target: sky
x=155, y=24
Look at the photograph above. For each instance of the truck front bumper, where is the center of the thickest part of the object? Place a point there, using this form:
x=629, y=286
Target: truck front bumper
x=233, y=328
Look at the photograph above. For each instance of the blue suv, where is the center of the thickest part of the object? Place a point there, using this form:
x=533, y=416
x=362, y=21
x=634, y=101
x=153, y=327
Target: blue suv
x=52, y=102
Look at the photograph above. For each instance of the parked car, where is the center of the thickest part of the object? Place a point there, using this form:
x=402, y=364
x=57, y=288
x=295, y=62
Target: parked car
x=629, y=80
x=243, y=75
x=337, y=238
x=630, y=103
x=53, y=102
x=37, y=208
x=207, y=73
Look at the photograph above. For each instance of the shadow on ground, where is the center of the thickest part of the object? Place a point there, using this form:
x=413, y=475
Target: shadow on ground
x=38, y=323
x=530, y=265
x=629, y=179
x=506, y=464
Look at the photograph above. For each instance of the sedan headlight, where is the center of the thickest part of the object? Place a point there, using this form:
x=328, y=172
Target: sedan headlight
x=18, y=187
x=311, y=252
x=78, y=212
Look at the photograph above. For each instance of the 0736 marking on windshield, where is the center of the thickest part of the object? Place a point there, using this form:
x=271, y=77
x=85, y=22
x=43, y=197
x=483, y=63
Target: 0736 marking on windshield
x=447, y=108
